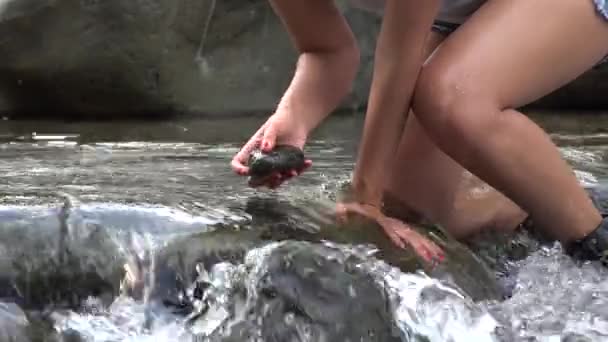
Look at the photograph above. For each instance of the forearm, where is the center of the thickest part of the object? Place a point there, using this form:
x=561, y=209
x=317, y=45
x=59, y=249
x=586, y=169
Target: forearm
x=399, y=56
x=328, y=61
x=321, y=81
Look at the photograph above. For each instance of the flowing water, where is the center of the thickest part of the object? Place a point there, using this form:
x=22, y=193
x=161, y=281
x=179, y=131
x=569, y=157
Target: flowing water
x=130, y=189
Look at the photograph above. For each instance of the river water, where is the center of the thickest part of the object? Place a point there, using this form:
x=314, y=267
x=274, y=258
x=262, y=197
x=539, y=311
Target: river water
x=148, y=183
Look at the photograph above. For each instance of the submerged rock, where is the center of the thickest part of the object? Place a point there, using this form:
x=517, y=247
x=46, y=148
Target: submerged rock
x=61, y=257
x=302, y=285
x=274, y=220
x=43, y=263
x=300, y=291
x=175, y=267
x=58, y=257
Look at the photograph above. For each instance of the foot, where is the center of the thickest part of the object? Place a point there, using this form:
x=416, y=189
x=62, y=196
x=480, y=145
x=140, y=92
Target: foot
x=593, y=246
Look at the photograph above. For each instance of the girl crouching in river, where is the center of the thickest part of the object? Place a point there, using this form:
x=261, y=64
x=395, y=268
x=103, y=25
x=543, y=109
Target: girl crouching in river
x=447, y=80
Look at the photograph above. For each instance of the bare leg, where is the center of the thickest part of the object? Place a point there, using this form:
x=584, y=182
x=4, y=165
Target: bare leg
x=500, y=59
x=430, y=183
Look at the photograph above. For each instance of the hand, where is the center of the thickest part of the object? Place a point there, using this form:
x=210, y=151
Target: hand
x=280, y=128
x=400, y=233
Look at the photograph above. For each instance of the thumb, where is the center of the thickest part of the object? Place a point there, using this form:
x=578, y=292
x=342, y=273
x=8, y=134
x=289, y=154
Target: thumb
x=269, y=138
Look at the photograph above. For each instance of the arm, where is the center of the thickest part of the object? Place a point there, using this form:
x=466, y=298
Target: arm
x=328, y=60
x=399, y=56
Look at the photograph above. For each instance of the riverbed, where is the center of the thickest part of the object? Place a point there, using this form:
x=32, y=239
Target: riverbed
x=147, y=183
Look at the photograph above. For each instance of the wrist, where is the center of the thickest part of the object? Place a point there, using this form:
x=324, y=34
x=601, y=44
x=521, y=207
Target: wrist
x=301, y=120
x=364, y=190
x=296, y=124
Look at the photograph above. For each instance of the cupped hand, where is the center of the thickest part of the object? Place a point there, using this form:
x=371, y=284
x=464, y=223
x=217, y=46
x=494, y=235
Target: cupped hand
x=399, y=232
x=280, y=128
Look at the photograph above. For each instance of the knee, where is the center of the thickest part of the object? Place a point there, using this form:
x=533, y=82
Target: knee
x=451, y=105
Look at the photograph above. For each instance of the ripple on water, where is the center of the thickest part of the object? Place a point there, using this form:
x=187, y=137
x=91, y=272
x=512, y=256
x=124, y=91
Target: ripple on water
x=554, y=299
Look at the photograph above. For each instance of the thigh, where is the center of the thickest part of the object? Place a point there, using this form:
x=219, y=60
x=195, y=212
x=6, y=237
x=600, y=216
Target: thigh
x=513, y=52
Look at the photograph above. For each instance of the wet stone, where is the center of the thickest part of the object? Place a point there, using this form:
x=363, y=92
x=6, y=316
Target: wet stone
x=281, y=159
x=175, y=267
x=42, y=266
x=292, y=300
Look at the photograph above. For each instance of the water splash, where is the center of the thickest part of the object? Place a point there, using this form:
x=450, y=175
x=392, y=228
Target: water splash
x=424, y=308
x=556, y=299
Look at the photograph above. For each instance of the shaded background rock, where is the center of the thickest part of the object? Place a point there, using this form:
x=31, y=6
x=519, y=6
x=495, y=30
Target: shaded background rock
x=96, y=59
x=585, y=92
x=113, y=58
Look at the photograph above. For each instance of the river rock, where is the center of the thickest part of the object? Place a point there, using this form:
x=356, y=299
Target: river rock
x=300, y=291
x=60, y=256
x=44, y=264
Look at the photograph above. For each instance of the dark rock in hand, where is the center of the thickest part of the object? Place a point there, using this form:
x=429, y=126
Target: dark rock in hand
x=281, y=159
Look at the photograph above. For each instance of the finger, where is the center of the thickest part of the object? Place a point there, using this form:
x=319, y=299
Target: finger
x=396, y=240
x=437, y=252
x=289, y=175
x=433, y=248
x=433, y=255
x=238, y=167
x=275, y=181
x=419, y=244
x=307, y=165
x=422, y=252
x=243, y=155
x=240, y=159
x=285, y=176
x=269, y=137
x=392, y=234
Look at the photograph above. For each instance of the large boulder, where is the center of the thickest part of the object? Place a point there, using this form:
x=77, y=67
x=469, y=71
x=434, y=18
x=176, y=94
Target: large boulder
x=99, y=59
x=585, y=92
x=96, y=59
